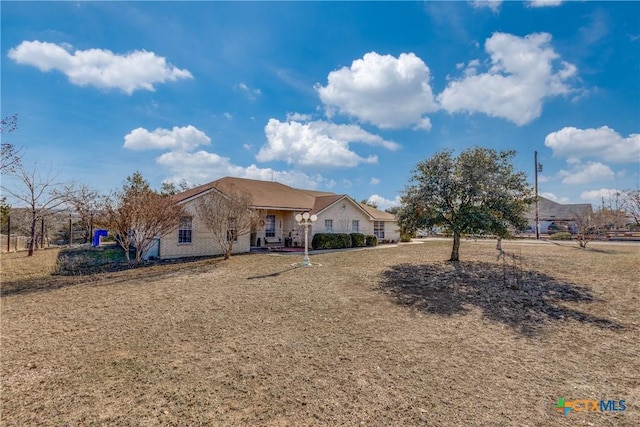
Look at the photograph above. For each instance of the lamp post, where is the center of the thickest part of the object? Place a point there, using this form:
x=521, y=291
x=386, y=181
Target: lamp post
x=306, y=220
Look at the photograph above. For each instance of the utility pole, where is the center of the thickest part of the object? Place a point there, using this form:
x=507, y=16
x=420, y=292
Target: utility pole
x=538, y=168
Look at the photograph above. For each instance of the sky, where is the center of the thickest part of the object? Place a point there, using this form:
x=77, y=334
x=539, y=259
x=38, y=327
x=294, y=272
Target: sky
x=337, y=96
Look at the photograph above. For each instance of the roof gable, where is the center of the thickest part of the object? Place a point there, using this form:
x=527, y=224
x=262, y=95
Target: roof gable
x=277, y=196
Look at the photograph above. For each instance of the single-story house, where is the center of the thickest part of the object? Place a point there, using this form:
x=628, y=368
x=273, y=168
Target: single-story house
x=553, y=212
x=277, y=205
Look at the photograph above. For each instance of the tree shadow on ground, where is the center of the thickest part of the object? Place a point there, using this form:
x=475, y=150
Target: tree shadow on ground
x=527, y=301
x=275, y=274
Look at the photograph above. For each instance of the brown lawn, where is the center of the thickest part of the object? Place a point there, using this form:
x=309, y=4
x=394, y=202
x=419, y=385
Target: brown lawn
x=391, y=336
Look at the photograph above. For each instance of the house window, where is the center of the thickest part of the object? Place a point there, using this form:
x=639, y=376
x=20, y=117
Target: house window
x=328, y=226
x=355, y=226
x=378, y=229
x=232, y=231
x=270, y=226
x=185, y=230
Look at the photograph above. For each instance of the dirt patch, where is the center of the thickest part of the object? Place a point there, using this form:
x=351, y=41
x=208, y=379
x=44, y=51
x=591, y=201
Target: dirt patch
x=389, y=336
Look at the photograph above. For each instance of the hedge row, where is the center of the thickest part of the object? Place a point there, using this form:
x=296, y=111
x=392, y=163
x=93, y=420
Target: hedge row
x=342, y=240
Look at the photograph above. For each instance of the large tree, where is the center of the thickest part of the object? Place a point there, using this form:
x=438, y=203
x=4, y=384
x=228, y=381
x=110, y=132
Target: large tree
x=478, y=192
x=227, y=215
x=138, y=215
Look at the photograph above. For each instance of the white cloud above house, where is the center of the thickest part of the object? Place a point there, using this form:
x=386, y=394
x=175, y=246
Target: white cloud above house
x=383, y=90
x=554, y=198
x=522, y=73
x=179, y=138
x=318, y=143
x=597, y=196
x=601, y=143
x=583, y=173
x=136, y=70
x=383, y=203
x=202, y=166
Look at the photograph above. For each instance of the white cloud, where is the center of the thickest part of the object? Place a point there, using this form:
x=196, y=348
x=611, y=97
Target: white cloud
x=521, y=75
x=603, y=143
x=494, y=5
x=383, y=90
x=251, y=93
x=596, y=196
x=582, y=173
x=374, y=181
x=201, y=167
x=98, y=67
x=298, y=117
x=544, y=3
x=383, y=203
x=318, y=143
x=555, y=198
x=178, y=138
x=228, y=116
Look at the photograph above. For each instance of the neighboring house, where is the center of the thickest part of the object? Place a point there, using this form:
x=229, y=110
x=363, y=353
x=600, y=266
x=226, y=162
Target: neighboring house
x=277, y=205
x=552, y=212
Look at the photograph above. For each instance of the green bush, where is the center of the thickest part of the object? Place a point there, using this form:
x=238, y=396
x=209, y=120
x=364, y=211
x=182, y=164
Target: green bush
x=371, y=240
x=405, y=237
x=358, y=240
x=331, y=241
x=561, y=236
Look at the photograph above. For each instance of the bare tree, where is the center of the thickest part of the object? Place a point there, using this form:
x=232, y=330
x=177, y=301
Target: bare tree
x=10, y=156
x=591, y=225
x=632, y=204
x=85, y=201
x=227, y=216
x=139, y=215
x=39, y=193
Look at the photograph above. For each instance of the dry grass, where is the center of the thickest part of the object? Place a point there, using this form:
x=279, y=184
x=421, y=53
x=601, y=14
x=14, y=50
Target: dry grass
x=390, y=336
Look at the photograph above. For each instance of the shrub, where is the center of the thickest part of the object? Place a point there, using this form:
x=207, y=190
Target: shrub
x=371, y=240
x=331, y=241
x=405, y=237
x=561, y=236
x=358, y=240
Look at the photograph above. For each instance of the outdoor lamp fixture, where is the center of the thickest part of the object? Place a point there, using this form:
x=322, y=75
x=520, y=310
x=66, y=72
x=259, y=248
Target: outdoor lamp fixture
x=306, y=220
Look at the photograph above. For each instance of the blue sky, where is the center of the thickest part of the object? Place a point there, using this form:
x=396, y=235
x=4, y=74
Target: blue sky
x=336, y=96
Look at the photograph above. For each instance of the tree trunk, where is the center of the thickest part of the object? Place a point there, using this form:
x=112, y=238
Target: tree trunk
x=456, y=247
x=32, y=237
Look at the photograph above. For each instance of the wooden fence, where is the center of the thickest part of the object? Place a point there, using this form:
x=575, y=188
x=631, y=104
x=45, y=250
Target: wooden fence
x=16, y=243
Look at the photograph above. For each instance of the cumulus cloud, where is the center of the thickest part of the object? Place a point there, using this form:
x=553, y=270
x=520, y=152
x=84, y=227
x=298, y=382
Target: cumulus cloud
x=603, y=142
x=582, y=173
x=555, y=198
x=374, y=181
x=523, y=71
x=596, y=196
x=98, y=67
x=179, y=138
x=494, y=5
x=318, y=143
x=385, y=91
x=383, y=203
x=544, y=3
x=202, y=166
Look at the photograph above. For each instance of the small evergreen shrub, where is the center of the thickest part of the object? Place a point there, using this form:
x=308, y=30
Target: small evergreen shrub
x=371, y=240
x=331, y=241
x=358, y=240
